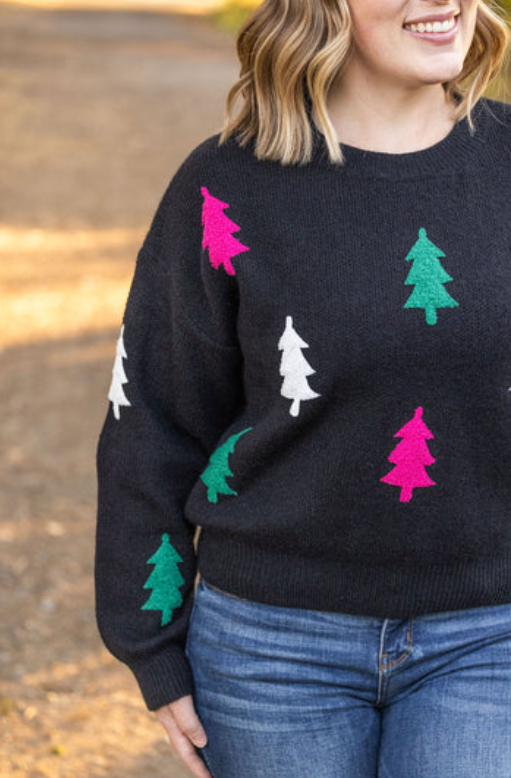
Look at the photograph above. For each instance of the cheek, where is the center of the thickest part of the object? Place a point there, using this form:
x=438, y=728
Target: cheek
x=371, y=41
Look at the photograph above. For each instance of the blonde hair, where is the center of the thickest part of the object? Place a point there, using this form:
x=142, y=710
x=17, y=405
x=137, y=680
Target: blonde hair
x=291, y=51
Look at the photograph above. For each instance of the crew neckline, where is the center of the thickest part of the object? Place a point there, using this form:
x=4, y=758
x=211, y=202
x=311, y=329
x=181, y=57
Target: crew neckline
x=442, y=158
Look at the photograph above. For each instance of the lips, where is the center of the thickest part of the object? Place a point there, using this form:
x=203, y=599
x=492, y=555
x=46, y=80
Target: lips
x=437, y=24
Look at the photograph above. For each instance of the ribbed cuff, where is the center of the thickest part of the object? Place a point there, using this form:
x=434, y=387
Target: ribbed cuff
x=164, y=678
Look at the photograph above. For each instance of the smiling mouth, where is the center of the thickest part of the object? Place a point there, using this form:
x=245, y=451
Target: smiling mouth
x=436, y=26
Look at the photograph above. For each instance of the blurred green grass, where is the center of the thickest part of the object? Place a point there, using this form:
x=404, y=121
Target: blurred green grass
x=231, y=15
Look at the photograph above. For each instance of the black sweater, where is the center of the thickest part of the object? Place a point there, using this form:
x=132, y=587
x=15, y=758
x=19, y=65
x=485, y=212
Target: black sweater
x=315, y=368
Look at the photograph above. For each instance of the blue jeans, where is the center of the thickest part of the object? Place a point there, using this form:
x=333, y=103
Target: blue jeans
x=287, y=693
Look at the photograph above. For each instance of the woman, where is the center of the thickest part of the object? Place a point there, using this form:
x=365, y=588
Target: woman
x=315, y=368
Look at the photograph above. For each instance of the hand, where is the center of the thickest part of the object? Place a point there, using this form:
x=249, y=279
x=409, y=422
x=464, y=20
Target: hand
x=184, y=732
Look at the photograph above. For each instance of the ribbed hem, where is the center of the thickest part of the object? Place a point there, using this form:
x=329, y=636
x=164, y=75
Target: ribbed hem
x=384, y=592
x=164, y=678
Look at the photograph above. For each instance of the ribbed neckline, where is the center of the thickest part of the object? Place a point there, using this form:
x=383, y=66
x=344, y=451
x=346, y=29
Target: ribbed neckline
x=443, y=158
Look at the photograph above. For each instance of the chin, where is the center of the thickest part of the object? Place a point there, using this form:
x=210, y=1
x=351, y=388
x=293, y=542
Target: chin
x=441, y=72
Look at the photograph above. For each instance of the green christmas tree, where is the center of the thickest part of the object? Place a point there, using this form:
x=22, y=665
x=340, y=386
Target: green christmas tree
x=165, y=581
x=218, y=469
x=428, y=276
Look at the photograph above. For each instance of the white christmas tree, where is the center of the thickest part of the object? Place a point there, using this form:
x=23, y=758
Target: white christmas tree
x=116, y=393
x=294, y=368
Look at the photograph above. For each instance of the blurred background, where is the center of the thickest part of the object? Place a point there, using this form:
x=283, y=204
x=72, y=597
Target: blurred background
x=100, y=100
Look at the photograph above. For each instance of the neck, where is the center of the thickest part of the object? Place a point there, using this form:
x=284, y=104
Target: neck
x=394, y=121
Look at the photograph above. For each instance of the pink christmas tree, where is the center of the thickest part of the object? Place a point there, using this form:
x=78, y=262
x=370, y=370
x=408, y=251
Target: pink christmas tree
x=410, y=457
x=218, y=229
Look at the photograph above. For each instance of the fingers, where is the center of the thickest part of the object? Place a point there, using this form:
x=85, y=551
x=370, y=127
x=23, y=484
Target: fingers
x=188, y=722
x=185, y=750
x=184, y=732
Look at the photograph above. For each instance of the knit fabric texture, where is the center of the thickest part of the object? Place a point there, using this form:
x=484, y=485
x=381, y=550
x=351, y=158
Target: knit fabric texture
x=315, y=368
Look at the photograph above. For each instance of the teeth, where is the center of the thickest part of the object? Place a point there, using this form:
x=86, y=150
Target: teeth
x=432, y=26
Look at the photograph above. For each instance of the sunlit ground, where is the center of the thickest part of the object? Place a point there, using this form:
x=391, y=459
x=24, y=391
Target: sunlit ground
x=58, y=284
x=46, y=293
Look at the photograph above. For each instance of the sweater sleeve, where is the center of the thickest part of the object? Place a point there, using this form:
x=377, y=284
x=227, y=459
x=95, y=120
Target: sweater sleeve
x=176, y=385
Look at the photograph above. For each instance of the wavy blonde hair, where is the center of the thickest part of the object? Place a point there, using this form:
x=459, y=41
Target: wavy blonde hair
x=291, y=51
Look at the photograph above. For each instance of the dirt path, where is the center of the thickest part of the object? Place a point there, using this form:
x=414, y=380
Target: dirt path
x=98, y=109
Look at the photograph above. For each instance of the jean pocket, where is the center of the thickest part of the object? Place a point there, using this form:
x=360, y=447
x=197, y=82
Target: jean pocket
x=208, y=600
